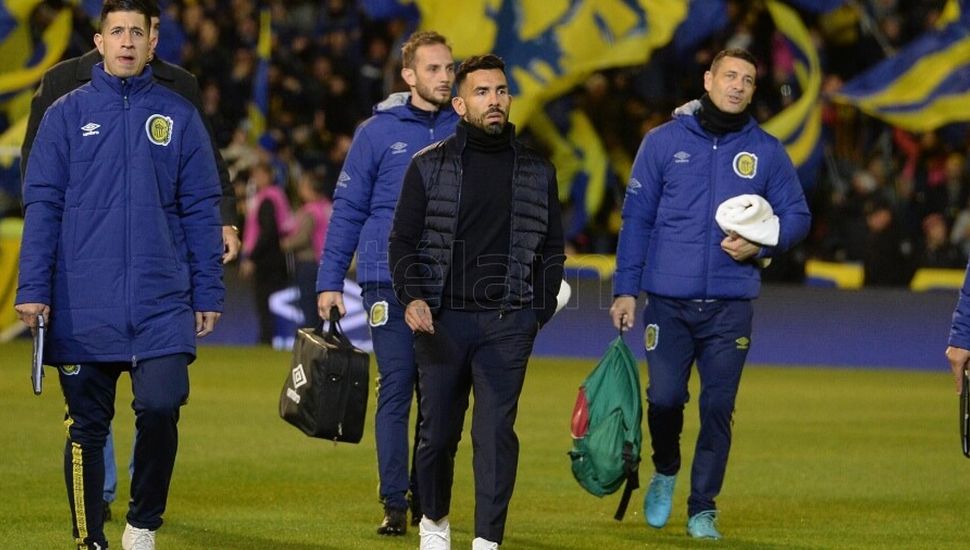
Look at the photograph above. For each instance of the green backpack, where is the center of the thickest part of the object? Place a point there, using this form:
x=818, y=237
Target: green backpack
x=606, y=426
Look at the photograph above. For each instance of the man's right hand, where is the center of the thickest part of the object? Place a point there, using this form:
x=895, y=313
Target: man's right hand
x=418, y=316
x=28, y=313
x=326, y=300
x=958, y=358
x=622, y=312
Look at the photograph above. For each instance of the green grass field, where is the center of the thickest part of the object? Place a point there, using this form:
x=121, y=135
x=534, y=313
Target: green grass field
x=822, y=458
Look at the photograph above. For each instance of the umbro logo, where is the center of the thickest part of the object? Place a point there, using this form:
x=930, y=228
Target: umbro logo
x=90, y=129
x=681, y=157
x=399, y=147
x=343, y=179
x=633, y=186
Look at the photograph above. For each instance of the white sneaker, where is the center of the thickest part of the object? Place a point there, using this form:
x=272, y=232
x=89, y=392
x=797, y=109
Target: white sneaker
x=435, y=535
x=484, y=544
x=137, y=539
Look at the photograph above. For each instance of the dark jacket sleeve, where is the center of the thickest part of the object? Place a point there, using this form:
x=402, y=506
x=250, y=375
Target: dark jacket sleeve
x=548, y=267
x=198, y=199
x=406, y=230
x=56, y=82
x=186, y=85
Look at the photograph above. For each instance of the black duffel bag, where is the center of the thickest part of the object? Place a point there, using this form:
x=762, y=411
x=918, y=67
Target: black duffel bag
x=325, y=393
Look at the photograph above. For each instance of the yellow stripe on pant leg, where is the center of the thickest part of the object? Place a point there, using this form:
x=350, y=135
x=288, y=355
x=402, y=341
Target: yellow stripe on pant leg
x=77, y=476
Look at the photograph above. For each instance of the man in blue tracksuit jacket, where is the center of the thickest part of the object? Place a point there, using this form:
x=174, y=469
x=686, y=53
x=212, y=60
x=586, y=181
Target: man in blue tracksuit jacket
x=121, y=255
x=363, y=208
x=699, y=281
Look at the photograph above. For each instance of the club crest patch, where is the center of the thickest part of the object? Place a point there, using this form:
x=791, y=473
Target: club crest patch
x=70, y=370
x=745, y=164
x=298, y=375
x=159, y=129
x=743, y=342
x=651, y=336
x=378, y=314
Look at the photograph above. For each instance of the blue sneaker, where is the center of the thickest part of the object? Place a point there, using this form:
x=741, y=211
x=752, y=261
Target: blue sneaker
x=702, y=525
x=658, y=500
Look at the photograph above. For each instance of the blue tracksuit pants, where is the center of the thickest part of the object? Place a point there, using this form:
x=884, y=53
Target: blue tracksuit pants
x=715, y=334
x=487, y=353
x=160, y=387
x=398, y=378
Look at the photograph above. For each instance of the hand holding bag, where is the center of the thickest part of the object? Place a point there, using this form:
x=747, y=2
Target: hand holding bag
x=325, y=392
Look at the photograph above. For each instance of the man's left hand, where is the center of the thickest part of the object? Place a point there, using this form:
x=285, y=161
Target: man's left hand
x=205, y=322
x=231, y=243
x=739, y=248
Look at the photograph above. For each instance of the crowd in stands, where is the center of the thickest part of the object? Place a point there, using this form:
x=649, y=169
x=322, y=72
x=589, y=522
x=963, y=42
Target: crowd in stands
x=887, y=198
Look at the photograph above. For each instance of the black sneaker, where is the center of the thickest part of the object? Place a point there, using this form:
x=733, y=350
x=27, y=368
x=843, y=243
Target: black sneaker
x=107, y=511
x=395, y=523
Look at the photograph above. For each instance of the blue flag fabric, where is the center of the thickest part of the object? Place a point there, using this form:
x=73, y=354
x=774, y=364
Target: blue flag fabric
x=925, y=85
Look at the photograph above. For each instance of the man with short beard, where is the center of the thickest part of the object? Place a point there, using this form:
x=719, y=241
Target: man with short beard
x=367, y=191
x=476, y=254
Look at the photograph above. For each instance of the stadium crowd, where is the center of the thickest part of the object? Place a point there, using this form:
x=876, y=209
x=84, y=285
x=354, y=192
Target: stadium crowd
x=887, y=198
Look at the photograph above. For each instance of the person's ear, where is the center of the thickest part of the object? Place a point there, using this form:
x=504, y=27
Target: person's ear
x=458, y=104
x=409, y=77
x=99, y=43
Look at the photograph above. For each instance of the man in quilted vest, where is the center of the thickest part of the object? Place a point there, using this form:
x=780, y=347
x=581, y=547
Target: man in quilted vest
x=476, y=255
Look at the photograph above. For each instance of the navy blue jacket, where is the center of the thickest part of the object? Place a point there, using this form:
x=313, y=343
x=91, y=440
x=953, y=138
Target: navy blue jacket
x=122, y=236
x=669, y=242
x=368, y=187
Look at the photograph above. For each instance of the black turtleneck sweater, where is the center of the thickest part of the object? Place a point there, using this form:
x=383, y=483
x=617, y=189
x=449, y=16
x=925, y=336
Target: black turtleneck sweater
x=480, y=257
x=479, y=264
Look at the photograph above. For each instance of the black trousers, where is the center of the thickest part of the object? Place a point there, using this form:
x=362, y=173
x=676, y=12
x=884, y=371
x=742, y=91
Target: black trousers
x=487, y=353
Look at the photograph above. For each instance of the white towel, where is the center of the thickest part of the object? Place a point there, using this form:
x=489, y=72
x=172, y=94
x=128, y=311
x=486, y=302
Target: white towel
x=751, y=217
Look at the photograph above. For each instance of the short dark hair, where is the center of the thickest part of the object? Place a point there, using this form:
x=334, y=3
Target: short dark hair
x=739, y=53
x=478, y=63
x=418, y=39
x=148, y=8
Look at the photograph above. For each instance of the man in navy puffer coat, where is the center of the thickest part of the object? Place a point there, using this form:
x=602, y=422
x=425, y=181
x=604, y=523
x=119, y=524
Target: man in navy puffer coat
x=121, y=256
x=699, y=279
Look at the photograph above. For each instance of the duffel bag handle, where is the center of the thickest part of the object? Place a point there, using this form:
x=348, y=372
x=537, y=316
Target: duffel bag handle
x=334, y=332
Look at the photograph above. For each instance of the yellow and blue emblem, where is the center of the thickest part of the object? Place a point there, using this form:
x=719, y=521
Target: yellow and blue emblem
x=378, y=314
x=651, y=336
x=159, y=129
x=745, y=164
x=743, y=342
x=70, y=370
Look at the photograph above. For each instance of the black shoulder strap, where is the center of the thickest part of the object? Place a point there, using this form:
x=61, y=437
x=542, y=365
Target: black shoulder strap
x=631, y=465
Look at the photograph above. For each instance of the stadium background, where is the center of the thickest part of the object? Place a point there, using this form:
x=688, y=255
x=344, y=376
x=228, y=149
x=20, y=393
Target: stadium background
x=870, y=99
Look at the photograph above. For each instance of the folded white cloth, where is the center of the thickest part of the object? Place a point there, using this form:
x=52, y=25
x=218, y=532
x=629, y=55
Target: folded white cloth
x=751, y=217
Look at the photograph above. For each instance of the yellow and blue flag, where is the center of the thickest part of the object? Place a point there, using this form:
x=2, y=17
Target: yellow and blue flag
x=259, y=103
x=799, y=125
x=550, y=46
x=582, y=161
x=926, y=84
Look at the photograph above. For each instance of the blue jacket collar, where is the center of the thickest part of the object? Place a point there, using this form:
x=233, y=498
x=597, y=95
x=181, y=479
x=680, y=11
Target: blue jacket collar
x=124, y=86
x=398, y=105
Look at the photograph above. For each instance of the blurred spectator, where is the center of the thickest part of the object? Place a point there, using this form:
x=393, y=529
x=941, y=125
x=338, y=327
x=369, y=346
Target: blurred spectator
x=307, y=240
x=936, y=250
x=268, y=220
x=887, y=255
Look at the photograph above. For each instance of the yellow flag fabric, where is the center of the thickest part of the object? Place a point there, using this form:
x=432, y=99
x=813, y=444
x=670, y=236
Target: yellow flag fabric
x=550, y=46
x=15, y=74
x=799, y=126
